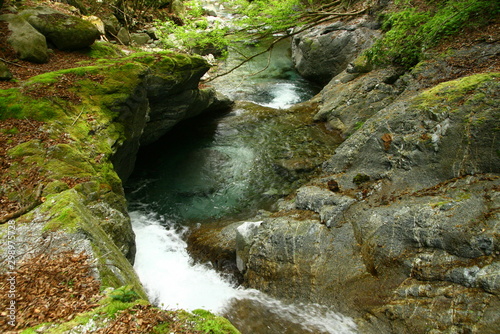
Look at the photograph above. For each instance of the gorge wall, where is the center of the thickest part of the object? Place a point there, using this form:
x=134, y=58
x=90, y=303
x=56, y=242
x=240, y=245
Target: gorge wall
x=401, y=230
x=403, y=226
x=87, y=128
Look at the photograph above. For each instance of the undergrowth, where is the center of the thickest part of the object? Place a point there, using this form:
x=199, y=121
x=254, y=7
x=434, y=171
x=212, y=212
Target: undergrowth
x=415, y=27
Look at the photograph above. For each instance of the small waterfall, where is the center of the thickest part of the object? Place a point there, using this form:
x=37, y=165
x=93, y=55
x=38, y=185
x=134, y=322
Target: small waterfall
x=229, y=167
x=173, y=281
x=167, y=271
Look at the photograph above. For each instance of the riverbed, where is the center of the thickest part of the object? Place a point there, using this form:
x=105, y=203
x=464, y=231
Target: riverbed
x=227, y=167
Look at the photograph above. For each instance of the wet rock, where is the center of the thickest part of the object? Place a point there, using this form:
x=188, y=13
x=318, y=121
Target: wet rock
x=349, y=100
x=420, y=237
x=329, y=205
x=215, y=243
x=245, y=234
x=186, y=104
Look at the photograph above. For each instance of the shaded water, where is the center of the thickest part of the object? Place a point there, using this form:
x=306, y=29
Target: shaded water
x=220, y=166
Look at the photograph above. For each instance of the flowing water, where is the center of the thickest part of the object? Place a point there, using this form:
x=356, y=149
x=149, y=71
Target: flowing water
x=228, y=166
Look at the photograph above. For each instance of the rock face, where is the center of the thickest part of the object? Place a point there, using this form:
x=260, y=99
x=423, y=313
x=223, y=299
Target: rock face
x=93, y=140
x=321, y=53
x=402, y=230
x=64, y=31
x=167, y=95
x=28, y=43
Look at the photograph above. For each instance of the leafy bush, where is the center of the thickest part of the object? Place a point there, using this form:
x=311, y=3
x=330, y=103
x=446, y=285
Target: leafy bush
x=270, y=15
x=197, y=35
x=410, y=31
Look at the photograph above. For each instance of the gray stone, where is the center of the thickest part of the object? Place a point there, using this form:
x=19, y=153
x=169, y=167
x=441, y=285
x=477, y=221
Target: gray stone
x=29, y=44
x=64, y=31
x=4, y=72
x=328, y=204
x=123, y=36
x=111, y=24
x=245, y=234
x=140, y=38
x=349, y=100
x=488, y=278
x=324, y=51
x=165, y=113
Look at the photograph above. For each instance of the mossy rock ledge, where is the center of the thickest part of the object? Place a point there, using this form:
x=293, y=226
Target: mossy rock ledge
x=93, y=120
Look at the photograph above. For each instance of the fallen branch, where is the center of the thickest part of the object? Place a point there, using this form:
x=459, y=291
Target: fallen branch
x=25, y=209
x=313, y=19
x=12, y=63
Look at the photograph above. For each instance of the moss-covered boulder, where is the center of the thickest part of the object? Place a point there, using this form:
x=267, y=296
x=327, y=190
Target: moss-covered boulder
x=67, y=137
x=84, y=136
x=64, y=31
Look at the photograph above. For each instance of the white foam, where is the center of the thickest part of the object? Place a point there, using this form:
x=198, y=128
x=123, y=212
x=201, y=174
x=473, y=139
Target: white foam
x=166, y=270
x=172, y=281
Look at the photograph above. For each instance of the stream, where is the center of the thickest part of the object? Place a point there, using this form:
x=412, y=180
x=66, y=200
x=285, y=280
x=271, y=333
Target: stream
x=228, y=167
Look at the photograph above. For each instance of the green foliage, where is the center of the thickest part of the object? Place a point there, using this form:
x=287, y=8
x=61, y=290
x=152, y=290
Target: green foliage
x=197, y=36
x=259, y=17
x=410, y=31
x=209, y=323
x=271, y=16
x=124, y=294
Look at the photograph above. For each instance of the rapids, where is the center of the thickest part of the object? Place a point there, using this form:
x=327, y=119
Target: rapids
x=228, y=167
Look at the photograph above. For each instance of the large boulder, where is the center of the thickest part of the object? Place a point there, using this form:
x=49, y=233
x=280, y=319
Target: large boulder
x=326, y=50
x=28, y=43
x=64, y=31
x=175, y=98
x=442, y=133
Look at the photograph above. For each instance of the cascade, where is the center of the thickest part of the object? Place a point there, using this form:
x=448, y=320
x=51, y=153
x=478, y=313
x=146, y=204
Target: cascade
x=222, y=168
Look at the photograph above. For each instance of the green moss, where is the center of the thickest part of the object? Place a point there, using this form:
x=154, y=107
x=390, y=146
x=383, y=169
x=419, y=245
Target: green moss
x=67, y=211
x=442, y=97
x=207, y=322
x=124, y=294
x=14, y=104
x=73, y=165
x=64, y=211
x=358, y=125
x=55, y=187
x=104, y=50
x=360, y=178
x=32, y=147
